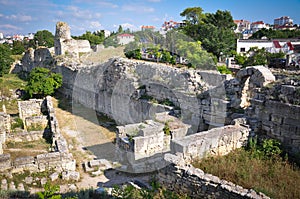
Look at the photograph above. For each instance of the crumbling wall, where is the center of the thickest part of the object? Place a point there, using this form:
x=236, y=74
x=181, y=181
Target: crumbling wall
x=180, y=177
x=5, y=127
x=60, y=159
x=64, y=44
x=217, y=141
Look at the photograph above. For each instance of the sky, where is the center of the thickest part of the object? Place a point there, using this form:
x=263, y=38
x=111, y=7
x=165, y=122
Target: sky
x=30, y=16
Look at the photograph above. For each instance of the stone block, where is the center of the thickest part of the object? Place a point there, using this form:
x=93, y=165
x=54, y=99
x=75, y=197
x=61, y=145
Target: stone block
x=54, y=176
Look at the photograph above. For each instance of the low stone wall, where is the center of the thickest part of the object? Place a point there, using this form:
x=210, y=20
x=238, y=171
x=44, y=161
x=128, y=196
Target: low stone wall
x=217, y=141
x=29, y=108
x=25, y=136
x=182, y=178
x=278, y=120
x=60, y=159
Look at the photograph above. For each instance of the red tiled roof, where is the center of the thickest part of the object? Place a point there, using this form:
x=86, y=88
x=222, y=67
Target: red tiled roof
x=125, y=35
x=290, y=45
x=276, y=44
x=258, y=22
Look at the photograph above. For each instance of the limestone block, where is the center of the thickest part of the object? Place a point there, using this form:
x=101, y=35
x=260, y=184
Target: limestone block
x=54, y=176
x=4, y=185
x=28, y=180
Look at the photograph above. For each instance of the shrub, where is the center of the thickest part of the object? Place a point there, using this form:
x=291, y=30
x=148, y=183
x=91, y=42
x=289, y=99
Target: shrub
x=223, y=69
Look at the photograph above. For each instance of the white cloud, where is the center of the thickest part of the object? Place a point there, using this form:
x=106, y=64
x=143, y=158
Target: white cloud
x=10, y=27
x=126, y=25
x=137, y=8
x=95, y=25
x=107, y=4
x=21, y=18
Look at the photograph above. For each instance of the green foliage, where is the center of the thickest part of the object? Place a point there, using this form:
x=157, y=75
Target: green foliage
x=167, y=129
x=223, y=69
x=50, y=192
x=120, y=29
x=111, y=41
x=44, y=38
x=273, y=34
x=193, y=15
x=214, y=30
x=18, y=48
x=94, y=38
x=268, y=149
x=198, y=57
x=5, y=59
x=43, y=82
x=259, y=167
x=17, y=123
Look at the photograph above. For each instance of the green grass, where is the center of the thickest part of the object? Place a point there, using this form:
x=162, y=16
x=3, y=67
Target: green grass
x=273, y=176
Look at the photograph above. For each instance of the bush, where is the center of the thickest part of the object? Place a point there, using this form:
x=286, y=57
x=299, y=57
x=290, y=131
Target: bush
x=223, y=69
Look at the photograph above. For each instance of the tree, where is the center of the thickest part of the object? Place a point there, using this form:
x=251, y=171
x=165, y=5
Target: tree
x=193, y=15
x=196, y=56
x=43, y=82
x=214, y=30
x=44, y=38
x=18, y=48
x=5, y=59
x=120, y=29
x=93, y=38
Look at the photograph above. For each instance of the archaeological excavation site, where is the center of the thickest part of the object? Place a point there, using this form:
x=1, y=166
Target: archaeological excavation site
x=161, y=119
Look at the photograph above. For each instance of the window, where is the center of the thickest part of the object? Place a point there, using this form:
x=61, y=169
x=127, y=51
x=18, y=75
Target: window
x=243, y=50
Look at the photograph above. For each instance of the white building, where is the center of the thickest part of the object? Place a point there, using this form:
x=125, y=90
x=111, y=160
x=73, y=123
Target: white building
x=258, y=25
x=124, y=39
x=272, y=46
x=283, y=21
x=241, y=25
x=1, y=36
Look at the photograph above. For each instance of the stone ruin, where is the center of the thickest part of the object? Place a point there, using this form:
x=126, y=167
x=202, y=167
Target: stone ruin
x=214, y=113
x=59, y=159
x=64, y=44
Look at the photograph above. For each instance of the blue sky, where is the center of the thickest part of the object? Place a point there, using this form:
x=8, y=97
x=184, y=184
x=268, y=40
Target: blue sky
x=22, y=17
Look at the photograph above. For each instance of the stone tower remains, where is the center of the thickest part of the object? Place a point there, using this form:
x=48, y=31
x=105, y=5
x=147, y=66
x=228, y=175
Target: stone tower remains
x=64, y=44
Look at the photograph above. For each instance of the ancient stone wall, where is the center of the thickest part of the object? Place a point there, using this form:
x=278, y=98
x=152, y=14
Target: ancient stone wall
x=5, y=127
x=184, y=178
x=60, y=159
x=29, y=108
x=217, y=141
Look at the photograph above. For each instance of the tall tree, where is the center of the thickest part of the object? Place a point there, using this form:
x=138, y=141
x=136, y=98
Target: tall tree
x=120, y=29
x=44, y=38
x=193, y=15
x=5, y=59
x=214, y=30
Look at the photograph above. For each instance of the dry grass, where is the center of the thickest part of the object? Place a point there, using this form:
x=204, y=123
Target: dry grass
x=274, y=177
x=103, y=55
x=21, y=149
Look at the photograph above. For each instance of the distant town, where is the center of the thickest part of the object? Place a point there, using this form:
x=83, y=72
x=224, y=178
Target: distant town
x=244, y=27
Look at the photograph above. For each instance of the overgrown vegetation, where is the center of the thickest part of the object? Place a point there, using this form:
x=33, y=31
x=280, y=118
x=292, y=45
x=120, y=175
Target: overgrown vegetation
x=223, y=69
x=260, y=166
x=42, y=82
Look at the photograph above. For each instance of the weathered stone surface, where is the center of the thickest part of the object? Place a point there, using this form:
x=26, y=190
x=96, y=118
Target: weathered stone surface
x=181, y=177
x=54, y=176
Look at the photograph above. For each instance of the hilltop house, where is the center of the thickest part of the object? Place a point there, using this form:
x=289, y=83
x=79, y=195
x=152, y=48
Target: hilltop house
x=125, y=38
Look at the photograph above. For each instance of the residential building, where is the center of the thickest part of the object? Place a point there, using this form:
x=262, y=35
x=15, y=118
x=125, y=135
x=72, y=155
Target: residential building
x=272, y=46
x=151, y=28
x=258, y=25
x=242, y=25
x=281, y=22
x=168, y=25
x=125, y=38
